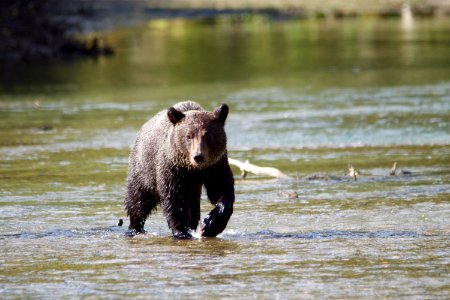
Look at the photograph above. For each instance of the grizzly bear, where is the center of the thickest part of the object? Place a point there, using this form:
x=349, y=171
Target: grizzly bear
x=176, y=153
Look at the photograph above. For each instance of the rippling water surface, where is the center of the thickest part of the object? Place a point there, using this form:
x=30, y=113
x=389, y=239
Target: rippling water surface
x=308, y=97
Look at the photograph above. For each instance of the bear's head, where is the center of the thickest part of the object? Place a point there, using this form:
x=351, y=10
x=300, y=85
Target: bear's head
x=199, y=136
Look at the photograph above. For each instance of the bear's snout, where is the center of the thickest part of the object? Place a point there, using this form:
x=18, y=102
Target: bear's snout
x=199, y=158
x=198, y=151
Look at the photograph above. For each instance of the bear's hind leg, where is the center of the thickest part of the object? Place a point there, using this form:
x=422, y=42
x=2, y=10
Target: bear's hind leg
x=138, y=205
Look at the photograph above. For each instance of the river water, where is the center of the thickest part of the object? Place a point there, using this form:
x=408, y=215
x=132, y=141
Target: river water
x=306, y=97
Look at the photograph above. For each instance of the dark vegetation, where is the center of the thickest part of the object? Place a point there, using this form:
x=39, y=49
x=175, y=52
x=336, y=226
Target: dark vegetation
x=36, y=29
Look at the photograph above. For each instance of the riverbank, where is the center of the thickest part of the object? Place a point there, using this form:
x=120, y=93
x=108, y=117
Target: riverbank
x=36, y=30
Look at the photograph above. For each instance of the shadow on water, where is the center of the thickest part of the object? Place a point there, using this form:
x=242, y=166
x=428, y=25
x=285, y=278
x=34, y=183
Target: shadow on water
x=68, y=233
x=260, y=235
x=332, y=234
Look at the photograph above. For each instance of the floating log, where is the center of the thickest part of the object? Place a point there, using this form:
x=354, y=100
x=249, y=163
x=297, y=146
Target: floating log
x=393, y=171
x=247, y=167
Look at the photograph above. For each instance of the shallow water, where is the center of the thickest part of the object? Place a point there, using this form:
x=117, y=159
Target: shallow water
x=307, y=97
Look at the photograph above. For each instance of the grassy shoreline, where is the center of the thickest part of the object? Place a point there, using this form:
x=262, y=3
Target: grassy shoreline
x=302, y=8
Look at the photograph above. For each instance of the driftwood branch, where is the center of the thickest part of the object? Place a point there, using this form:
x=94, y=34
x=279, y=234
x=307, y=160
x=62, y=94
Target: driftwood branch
x=247, y=167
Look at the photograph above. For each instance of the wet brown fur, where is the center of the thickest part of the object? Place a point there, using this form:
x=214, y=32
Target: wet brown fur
x=176, y=153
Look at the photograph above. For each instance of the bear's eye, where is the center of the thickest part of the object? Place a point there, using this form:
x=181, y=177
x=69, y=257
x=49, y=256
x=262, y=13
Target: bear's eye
x=190, y=136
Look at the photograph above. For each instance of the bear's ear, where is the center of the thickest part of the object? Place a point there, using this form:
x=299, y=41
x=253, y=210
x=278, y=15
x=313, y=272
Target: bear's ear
x=221, y=113
x=174, y=115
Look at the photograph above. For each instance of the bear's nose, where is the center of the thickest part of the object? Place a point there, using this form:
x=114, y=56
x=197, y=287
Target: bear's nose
x=198, y=158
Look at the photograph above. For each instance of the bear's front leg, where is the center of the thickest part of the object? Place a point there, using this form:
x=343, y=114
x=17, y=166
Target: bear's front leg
x=220, y=189
x=216, y=221
x=183, y=213
x=178, y=221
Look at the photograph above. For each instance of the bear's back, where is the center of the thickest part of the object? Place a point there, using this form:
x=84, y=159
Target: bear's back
x=159, y=125
x=187, y=106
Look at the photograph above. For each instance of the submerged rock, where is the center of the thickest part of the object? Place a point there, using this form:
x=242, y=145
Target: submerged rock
x=323, y=177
